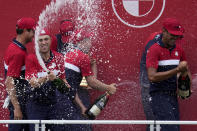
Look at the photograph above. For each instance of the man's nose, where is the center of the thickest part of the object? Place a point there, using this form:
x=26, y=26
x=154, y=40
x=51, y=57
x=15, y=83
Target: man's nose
x=44, y=42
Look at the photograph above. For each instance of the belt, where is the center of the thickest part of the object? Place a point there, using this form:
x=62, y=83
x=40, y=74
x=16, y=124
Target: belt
x=170, y=93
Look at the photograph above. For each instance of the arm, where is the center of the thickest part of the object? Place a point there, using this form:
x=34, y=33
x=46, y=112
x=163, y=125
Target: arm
x=91, y=80
x=13, y=72
x=66, y=83
x=9, y=82
x=96, y=84
x=36, y=82
x=81, y=105
x=155, y=76
x=94, y=70
x=94, y=67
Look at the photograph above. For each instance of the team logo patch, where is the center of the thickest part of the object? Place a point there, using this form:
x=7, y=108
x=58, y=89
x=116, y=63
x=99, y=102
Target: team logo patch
x=138, y=13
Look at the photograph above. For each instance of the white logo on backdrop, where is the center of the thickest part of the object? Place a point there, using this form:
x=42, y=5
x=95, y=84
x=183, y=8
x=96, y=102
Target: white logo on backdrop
x=132, y=7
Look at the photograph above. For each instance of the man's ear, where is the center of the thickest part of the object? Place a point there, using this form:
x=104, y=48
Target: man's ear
x=164, y=31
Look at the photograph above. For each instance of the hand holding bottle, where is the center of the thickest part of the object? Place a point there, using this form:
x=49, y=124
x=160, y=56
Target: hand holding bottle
x=183, y=66
x=51, y=76
x=34, y=82
x=112, y=88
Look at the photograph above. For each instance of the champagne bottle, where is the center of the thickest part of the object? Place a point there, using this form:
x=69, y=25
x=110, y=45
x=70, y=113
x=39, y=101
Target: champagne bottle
x=60, y=85
x=97, y=107
x=184, y=86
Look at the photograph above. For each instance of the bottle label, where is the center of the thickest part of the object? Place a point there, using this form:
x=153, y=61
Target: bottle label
x=183, y=93
x=102, y=104
x=183, y=87
x=95, y=110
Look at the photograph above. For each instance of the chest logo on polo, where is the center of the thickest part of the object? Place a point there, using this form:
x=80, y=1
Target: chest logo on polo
x=176, y=53
x=53, y=65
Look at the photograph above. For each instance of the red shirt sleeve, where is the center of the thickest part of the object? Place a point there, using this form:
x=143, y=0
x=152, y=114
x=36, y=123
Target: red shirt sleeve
x=31, y=67
x=15, y=64
x=54, y=43
x=152, y=58
x=85, y=66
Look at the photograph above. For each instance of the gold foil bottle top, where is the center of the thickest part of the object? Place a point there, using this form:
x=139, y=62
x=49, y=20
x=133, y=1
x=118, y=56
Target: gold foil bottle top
x=84, y=83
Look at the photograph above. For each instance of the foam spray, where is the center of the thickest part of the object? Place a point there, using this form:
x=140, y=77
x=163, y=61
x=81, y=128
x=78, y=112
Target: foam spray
x=85, y=14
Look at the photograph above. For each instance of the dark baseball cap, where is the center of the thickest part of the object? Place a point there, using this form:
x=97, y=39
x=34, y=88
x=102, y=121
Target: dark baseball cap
x=173, y=26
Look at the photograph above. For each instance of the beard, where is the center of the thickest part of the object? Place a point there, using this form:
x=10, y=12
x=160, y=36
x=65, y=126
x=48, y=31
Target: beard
x=28, y=40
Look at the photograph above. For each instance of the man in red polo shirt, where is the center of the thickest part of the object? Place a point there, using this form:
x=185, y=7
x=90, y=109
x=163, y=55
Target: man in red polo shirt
x=78, y=65
x=14, y=63
x=43, y=103
x=164, y=60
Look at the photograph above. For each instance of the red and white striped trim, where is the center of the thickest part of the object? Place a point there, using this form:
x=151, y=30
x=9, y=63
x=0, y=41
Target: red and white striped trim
x=6, y=67
x=72, y=67
x=169, y=62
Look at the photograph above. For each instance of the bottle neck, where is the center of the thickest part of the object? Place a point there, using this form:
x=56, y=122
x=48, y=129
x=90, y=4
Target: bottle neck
x=107, y=95
x=184, y=74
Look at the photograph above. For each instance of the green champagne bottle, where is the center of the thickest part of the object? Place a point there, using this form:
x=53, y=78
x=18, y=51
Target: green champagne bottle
x=60, y=85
